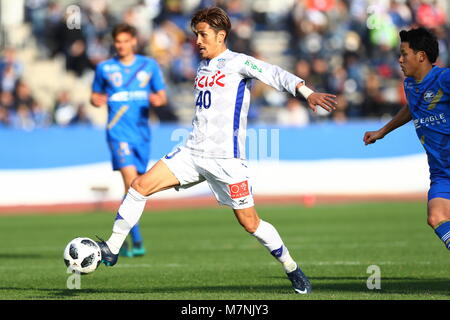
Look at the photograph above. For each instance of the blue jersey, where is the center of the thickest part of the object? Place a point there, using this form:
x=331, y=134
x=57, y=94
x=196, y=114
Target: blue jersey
x=128, y=88
x=429, y=105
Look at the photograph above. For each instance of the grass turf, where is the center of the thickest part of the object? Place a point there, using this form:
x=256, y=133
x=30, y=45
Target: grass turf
x=203, y=254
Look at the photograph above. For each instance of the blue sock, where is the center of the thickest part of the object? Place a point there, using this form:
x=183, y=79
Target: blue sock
x=136, y=234
x=443, y=232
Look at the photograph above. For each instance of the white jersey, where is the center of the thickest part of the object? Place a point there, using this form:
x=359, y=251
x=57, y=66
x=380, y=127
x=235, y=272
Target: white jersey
x=222, y=100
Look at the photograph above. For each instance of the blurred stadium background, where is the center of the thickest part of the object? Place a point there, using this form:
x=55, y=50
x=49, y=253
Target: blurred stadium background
x=52, y=142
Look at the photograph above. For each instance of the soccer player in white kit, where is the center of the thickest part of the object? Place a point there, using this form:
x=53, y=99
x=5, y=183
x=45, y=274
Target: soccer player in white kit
x=215, y=149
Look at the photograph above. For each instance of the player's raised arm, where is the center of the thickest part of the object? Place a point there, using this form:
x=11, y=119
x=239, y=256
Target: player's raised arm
x=283, y=80
x=402, y=117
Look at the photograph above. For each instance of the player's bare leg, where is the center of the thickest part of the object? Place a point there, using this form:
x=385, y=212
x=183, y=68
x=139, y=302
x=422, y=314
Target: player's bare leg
x=439, y=218
x=269, y=237
x=129, y=173
x=248, y=218
x=158, y=178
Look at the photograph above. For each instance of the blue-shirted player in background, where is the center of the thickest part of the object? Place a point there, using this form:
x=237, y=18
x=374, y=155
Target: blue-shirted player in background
x=128, y=84
x=427, y=89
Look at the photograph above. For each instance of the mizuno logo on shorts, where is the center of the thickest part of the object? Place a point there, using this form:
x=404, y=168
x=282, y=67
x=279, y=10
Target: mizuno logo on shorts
x=243, y=201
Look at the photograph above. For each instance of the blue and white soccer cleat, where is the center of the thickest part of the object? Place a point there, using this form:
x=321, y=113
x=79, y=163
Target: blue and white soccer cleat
x=108, y=258
x=300, y=282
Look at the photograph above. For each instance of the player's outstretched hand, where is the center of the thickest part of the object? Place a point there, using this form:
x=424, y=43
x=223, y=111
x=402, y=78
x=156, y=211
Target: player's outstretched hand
x=372, y=136
x=324, y=100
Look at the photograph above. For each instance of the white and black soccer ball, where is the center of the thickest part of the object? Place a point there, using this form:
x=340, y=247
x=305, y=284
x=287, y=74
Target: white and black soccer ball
x=82, y=255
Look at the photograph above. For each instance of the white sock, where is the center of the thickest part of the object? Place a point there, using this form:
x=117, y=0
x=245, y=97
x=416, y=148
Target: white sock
x=128, y=215
x=115, y=242
x=269, y=237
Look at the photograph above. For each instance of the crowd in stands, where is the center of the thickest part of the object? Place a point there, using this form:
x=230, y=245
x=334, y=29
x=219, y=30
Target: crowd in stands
x=20, y=109
x=349, y=48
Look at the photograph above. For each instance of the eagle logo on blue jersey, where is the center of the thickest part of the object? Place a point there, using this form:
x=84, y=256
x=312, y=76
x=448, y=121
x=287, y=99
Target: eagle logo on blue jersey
x=428, y=96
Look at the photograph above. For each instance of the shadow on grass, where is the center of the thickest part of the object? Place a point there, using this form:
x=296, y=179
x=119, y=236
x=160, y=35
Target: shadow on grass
x=49, y=293
x=22, y=256
x=389, y=285
x=321, y=285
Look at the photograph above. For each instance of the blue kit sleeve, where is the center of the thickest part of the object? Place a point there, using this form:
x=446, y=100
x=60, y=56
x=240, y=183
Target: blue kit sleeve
x=444, y=81
x=98, y=85
x=157, y=80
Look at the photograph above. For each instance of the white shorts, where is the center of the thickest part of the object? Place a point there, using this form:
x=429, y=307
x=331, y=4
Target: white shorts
x=228, y=179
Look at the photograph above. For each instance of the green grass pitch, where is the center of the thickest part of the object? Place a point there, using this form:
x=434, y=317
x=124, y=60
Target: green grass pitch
x=204, y=254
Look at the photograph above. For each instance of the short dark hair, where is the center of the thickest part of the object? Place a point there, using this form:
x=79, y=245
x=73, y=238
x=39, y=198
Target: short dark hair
x=421, y=39
x=216, y=17
x=124, y=27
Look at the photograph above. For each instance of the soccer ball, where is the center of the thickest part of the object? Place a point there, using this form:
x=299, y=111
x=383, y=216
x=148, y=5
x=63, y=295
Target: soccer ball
x=82, y=255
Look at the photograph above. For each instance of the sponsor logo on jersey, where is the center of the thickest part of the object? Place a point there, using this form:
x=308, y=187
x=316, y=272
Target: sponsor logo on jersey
x=208, y=82
x=253, y=66
x=430, y=121
x=239, y=190
x=123, y=96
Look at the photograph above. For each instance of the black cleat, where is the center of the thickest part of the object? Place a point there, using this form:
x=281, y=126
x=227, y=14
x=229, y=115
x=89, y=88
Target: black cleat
x=300, y=282
x=108, y=258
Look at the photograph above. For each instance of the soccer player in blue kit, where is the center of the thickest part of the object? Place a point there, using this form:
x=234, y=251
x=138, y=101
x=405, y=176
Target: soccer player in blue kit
x=128, y=84
x=427, y=89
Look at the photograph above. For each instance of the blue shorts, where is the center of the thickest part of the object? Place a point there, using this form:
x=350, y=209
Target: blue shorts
x=439, y=188
x=126, y=154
